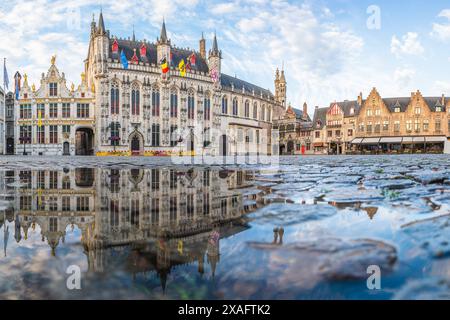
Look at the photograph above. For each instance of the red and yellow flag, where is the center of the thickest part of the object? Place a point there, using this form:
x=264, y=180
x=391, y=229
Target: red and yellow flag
x=182, y=68
x=164, y=66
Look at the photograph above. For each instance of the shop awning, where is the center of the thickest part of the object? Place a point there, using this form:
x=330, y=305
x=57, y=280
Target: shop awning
x=371, y=141
x=391, y=140
x=356, y=141
x=435, y=139
x=419, y=139
x=407, y=140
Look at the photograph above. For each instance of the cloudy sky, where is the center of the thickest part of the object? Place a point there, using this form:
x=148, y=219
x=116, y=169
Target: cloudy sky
x=331, y=49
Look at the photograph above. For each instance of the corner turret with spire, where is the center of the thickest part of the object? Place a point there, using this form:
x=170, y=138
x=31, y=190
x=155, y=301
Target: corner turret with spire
x=215, y=56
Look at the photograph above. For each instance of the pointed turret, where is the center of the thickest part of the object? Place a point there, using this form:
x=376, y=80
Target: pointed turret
x=101, y=24
x=163, y=37
x=134, y=36
x=214, y=52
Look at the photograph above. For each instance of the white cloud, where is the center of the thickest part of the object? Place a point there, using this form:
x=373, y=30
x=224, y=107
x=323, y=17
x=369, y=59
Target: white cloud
x=408, y=45
x=224, y=8
x=319, y=57
x=403, y=77
x=441, y=31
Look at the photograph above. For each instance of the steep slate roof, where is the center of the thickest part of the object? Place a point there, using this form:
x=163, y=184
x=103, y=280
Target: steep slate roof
x=346, y=107
x=320, y=114
x=299, y=114
x=432, y=102
x=227, y=80
x=201, y=64
x=151, y=57
x=392, y=103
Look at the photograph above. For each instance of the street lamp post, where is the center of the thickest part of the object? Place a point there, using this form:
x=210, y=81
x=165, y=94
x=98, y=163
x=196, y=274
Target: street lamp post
x=25, y=139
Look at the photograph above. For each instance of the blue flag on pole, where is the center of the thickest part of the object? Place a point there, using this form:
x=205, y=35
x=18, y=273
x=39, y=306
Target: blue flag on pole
x=5, y=75
x=123, y=59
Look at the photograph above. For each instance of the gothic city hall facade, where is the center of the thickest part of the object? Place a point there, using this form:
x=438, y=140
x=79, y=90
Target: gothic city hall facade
x=142, y=98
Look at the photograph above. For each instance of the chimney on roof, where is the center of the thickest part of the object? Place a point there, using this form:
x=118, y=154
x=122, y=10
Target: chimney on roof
x=360, y=99
x=443, y=100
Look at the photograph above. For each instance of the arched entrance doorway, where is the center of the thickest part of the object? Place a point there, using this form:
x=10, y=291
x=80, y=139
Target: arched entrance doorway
x=136, y=144
x=282, y=149
x=84, y=142
x=10, y=146
x=290, y=147
x=66, y=149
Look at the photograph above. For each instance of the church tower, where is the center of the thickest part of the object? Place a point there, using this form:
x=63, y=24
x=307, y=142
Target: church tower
x=280, y=87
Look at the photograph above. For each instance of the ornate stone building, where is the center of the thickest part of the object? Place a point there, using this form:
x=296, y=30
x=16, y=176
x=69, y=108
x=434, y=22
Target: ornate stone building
x=141, y=110
x=53, y=119
x=295, y=131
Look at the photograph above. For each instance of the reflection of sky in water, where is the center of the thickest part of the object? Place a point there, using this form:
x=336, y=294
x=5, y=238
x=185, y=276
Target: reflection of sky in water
x=316, y=211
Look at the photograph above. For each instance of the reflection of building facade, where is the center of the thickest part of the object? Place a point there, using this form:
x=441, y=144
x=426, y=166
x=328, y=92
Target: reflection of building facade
x=153, y=218
x=414, y=124
x=54, y=120
x=142, y=110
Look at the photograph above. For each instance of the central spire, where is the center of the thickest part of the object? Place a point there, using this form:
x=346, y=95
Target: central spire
x=101, y=23
x=163, y=37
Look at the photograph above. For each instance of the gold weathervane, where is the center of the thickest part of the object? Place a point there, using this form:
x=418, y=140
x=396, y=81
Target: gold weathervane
x=53, y=60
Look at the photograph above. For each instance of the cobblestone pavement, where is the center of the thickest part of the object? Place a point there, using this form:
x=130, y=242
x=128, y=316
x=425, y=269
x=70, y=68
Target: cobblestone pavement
x=306, y=228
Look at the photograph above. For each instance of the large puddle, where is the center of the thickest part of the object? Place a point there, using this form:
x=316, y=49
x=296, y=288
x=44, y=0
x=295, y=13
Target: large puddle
x=308, y=228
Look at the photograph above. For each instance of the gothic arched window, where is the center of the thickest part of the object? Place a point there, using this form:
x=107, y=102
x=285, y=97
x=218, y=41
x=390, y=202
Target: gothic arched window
x=191, y=105
x=173, y=104
x=263, y=113
x=114, y=98
x=135, y=100
x=207, y=108
x=235, y=107
x=155, y=102
x=224, y=105
x=255, y=111
x=247, y=109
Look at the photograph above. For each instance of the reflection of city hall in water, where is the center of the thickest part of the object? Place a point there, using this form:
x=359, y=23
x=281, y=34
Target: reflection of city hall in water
x=137, y=109
x=157, y=217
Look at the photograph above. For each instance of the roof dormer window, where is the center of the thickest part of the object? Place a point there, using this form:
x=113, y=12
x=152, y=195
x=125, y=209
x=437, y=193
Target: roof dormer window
x=438, y=109
x=396, y=109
